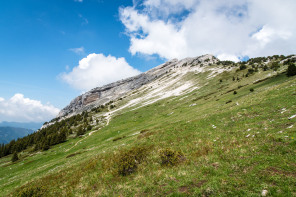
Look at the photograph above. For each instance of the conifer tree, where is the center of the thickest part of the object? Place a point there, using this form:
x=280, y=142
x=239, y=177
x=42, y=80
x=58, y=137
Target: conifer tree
x=14, y=157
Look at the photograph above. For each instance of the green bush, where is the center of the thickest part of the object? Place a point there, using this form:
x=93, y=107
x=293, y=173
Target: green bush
x=251, y=70
x=291, y=71
x=265, y=67
x=128, y=161
x=34, y=191
x=242, y=67
x=251, y=89
x=80, y=131
x=89, y=127
x=275, y=65
x=170, y=157
x=235, y=92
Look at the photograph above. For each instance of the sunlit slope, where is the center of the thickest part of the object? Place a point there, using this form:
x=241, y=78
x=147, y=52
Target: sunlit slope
x=229, y=144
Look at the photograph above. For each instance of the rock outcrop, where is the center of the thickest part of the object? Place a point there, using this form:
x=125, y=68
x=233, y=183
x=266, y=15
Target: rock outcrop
x=102, y=95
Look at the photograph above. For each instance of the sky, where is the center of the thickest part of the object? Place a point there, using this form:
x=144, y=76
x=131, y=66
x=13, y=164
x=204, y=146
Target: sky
x=52, y=51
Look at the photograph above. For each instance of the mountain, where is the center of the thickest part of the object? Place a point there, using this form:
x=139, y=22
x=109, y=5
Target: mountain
x=27, y=125
x=102, y=95
x=192, y=127
x=12, y=133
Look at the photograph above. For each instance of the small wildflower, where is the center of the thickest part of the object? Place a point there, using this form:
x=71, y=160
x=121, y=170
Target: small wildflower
x=264, y=192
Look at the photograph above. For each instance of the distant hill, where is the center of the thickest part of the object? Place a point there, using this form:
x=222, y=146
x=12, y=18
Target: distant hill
x=10, y=133
x=27, y=125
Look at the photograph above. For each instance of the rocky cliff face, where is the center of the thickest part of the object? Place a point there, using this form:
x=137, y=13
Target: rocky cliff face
x=102, y=95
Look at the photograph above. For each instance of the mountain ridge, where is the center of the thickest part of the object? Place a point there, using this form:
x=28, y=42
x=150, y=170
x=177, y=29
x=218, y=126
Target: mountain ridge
x=12, y=133
x=104, y=94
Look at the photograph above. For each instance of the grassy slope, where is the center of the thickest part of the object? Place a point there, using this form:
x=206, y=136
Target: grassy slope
x=230, y=149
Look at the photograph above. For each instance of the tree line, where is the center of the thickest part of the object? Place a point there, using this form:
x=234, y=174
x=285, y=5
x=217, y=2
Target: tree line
x=53, y=134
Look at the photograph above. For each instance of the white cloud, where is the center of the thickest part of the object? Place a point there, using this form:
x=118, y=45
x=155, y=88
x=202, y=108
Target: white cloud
x=78, y=1
x=98, y=70
x=79, y=51
x=228, y=57
x=182, y=28
x=21, y=109
x=267, y=35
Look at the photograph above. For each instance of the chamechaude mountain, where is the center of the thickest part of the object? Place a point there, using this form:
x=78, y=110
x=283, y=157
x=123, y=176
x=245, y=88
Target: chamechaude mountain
x=192, y=127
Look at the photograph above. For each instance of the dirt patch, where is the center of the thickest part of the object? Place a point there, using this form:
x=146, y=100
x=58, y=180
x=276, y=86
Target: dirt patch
x=118, y=138
x=274, y=170
x=200, y=183
x=163, y=185
x=72, y=155
x=145, y=134
x=184, y=189
x=29, y=162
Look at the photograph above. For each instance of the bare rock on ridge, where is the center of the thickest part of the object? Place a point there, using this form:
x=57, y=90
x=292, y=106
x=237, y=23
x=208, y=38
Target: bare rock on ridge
x=102, y=95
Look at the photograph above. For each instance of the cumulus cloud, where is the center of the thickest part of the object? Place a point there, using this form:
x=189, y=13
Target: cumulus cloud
x=79, y=1
x=98, y=70
x=78, y=51
x=230, y=29
x=21, y=109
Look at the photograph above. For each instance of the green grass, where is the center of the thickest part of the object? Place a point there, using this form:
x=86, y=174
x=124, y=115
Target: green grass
x=234, y=149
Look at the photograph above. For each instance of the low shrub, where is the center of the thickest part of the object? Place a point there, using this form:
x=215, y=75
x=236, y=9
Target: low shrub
x=32, y=190
x=235, y=92
x=80, y=131
x=251, y=71
x=170, y=157
x=128, y=161
x=251, y=89
x=242, y=67
x=89, y=127
x=291, y=71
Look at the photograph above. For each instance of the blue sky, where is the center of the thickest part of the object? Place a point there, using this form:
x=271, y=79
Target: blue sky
x=52, y=51
x=36, y=38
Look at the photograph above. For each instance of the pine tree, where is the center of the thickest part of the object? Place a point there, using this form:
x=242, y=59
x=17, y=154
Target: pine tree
x=14, y=157
x=62, y=137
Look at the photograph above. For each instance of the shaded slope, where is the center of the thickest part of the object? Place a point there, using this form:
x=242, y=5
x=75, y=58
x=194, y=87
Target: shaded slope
x=12, y=133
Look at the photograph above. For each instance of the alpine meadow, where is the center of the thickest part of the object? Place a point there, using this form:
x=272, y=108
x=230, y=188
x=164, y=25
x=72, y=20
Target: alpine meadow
x=200, y=127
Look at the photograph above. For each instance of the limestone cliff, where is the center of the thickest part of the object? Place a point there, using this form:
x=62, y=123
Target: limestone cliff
x=102, y=95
